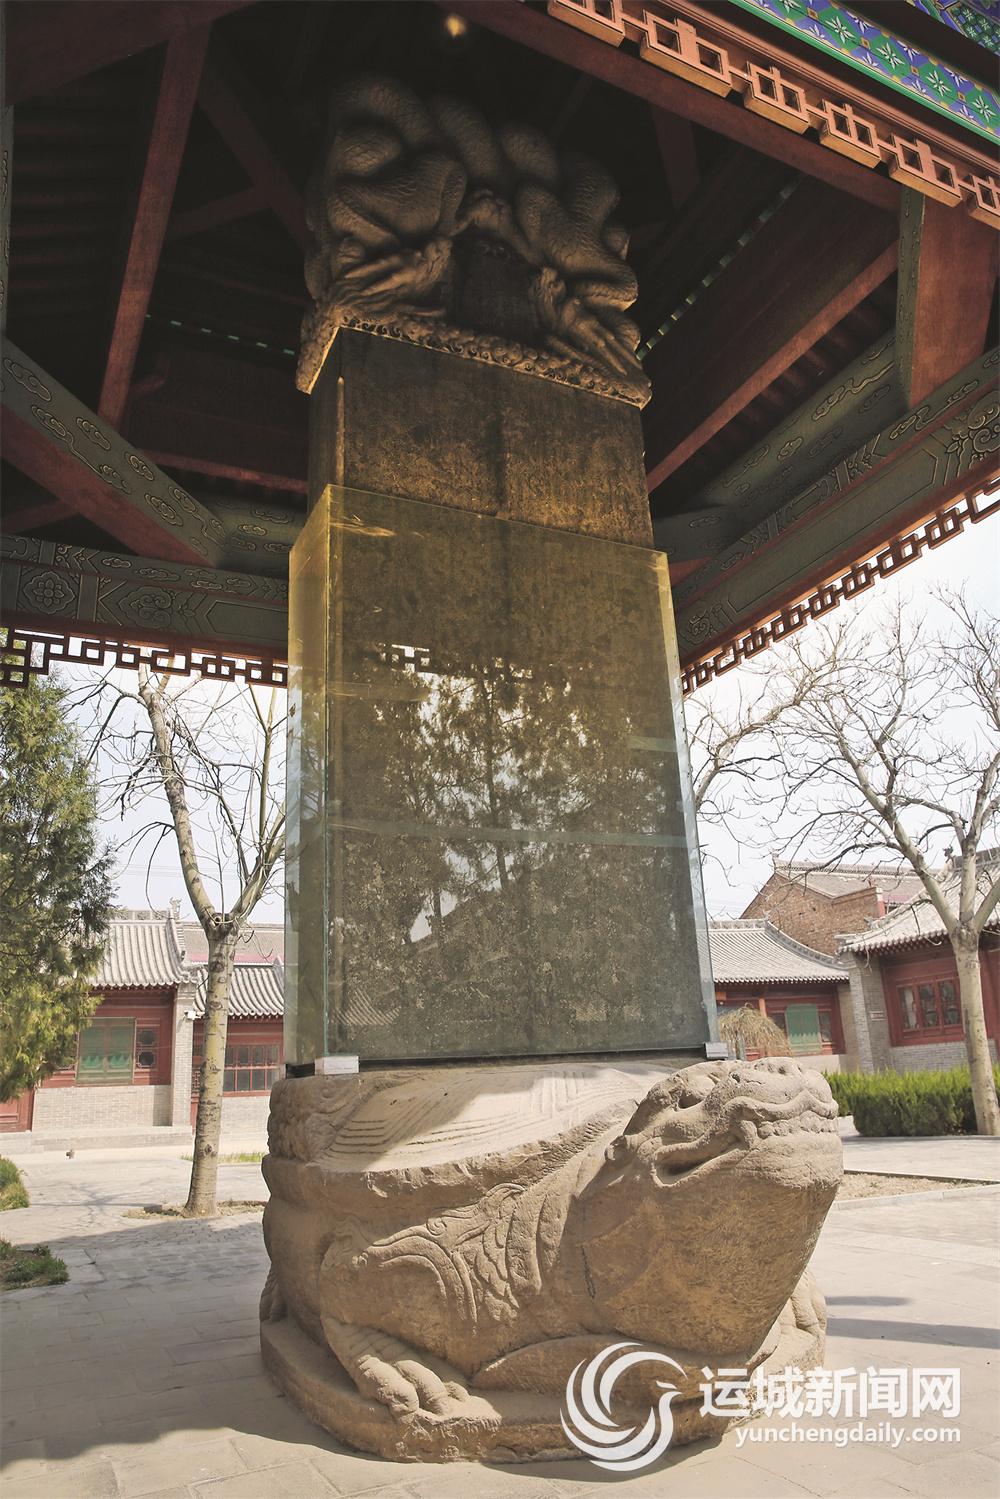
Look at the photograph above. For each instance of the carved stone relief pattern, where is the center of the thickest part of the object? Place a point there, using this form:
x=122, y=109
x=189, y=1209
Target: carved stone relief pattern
x=430, y=225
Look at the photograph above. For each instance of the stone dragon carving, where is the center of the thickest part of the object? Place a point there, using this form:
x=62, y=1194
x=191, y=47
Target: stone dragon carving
x=429, y=1299
x=429, y=225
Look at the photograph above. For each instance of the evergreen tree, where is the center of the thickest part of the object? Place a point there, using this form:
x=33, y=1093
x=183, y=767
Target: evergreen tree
x=55, y=889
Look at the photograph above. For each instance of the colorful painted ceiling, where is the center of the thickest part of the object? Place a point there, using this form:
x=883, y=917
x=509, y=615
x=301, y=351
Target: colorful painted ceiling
x=979, y=20
x=901, y=65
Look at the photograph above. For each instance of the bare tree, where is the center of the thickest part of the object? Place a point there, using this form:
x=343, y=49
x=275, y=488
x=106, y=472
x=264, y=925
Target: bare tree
x=215, y=756
x=734, y=762
x=890, y=740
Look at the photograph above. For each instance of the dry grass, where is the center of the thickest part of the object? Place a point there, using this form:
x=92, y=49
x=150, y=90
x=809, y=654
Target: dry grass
x=175, y=1210
x=870, y=1184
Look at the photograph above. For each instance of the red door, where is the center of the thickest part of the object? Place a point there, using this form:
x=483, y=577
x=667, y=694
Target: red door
x=16, y=1113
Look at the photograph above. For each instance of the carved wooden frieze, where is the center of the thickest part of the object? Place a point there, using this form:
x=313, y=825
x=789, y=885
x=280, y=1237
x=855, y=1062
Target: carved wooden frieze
x=947, y=523
x=141, y=598
x=948, y=443
x=431, y=226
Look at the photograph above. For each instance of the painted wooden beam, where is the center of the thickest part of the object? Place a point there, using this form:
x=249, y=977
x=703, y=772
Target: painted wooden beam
x=53, y=438
x=146, y=600
x=813, y=261
x=6, y=182
x=947, y=277
x=219, y=211
x=223, y=106
x=53, y=44
x=911, y=468
x=567, y=45
x=182, y=67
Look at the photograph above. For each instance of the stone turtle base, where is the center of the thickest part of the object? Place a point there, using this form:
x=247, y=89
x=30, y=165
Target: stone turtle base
x=509, y=1426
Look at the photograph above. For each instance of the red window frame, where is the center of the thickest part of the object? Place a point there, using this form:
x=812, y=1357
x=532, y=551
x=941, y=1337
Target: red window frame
x=917, y=997
x=239, y=1067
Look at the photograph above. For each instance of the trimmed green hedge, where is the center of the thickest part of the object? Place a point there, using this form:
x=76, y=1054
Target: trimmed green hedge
x=908, y=1103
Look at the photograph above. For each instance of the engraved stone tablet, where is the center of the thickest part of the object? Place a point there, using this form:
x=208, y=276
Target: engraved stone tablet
x=492, y=845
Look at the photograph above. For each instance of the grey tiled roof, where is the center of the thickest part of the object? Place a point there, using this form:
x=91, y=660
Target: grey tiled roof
x=918, y=921
x=142, y=952
x=894, y=883
x=264, y=941
x=256, y=991
x=752, y=951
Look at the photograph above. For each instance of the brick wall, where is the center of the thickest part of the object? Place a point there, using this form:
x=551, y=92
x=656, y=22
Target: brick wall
x=246, y=1117
x=810, y=917
x=86, y=1108
x=929, y=1058
x=864, y=1015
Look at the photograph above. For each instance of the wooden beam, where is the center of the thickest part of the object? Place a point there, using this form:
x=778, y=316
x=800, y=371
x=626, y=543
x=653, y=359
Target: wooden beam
x=589, y=55
x=182, y=67
x=52, y=437
x=904, y=472
x=101, y=594
x=53, y=44
x=810, y=264
x=224, y=108
x=193, y=464
x=213, y=215
x=725, y=203
x=947, y=275
x=675, y=139
x=33, y=517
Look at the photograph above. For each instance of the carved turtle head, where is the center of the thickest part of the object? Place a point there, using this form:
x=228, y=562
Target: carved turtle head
x=703, y=1211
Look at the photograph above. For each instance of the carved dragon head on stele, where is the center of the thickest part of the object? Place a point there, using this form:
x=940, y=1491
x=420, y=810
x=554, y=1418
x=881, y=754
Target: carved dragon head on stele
x=429, y=225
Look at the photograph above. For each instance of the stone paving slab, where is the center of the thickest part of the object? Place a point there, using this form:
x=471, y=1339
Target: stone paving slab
x=140, y=1379
x=951, y=1157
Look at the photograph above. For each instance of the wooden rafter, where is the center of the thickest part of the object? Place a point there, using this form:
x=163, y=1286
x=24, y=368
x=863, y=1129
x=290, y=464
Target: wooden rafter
x=32, y=516
x=588, y=55
x=725, y=203
x=53, y=44
x=219, y=211
x=675, y=139
x=182, y=67
x=223, y=106
x=79, y=459
x=812, y=262
x=947, y=276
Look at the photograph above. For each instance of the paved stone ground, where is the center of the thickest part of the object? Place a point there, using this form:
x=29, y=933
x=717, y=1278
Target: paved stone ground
x=141, y=1377
x=963, y=1157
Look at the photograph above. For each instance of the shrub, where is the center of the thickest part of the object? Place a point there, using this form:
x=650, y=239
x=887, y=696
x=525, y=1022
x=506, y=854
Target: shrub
x=20, y=1268
x=12, y=1190
x=908, y=1103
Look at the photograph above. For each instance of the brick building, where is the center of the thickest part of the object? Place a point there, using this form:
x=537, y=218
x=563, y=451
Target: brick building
x=803, y=991
x=134, y=1067
x=903, y=983
x=815, y=902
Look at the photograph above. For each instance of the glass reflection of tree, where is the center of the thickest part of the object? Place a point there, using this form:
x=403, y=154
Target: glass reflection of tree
x=529, y=935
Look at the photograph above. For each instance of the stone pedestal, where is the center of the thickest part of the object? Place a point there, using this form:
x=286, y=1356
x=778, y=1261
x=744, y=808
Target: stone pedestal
x=449, y=1245
x=492, y=854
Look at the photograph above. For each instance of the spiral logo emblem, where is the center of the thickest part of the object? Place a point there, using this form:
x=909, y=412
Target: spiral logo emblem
x=589, y=1424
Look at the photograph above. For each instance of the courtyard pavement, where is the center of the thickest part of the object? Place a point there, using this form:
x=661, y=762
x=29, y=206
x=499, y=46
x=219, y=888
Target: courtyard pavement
x=141, y=1378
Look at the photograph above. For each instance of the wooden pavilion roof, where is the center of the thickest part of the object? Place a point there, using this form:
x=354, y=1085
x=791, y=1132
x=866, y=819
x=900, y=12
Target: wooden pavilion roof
x=160, y=153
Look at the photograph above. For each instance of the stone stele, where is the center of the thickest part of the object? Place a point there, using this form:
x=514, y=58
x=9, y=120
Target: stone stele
x=447, y=1245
